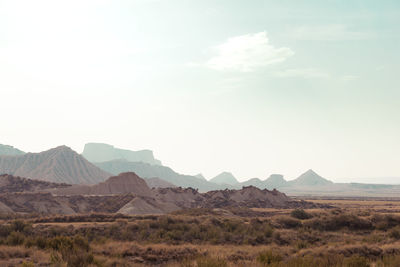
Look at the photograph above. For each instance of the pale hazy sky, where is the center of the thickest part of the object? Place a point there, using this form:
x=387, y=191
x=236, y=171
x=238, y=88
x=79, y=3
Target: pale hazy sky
x=252, y=87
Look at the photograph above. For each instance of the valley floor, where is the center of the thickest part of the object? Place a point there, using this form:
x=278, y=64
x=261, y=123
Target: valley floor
x=354, y=232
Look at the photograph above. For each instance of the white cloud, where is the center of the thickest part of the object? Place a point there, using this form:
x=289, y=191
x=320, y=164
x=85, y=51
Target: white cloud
x=307, y=73
x=247, y=53
x=333, y=32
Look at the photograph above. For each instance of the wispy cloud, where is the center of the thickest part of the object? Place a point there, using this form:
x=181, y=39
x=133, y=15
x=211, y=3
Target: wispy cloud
x=246, y=53
x=332, y=32
x=307, y=73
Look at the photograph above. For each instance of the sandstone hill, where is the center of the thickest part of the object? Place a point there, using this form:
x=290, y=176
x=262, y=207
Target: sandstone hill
x=60, y=164
x=124, y=183
x=129, y=194
x=251, y=197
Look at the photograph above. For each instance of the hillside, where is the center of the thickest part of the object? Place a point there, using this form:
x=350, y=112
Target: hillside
x=6, y=150
x=60, y=164
x=97, y=152
x=123, y=183
x=12, y=184
x=146, y=170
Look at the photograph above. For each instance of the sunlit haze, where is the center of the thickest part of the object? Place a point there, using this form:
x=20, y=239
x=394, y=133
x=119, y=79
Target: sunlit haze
x=251, y=87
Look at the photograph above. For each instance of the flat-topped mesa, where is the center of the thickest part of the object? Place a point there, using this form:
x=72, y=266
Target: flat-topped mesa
x=98, y=152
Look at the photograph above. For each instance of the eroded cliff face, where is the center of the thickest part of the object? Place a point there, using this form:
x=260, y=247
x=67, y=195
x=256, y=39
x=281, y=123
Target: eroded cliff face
x=60, y=165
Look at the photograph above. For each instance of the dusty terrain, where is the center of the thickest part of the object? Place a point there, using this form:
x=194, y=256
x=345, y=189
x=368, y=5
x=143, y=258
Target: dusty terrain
x=47, y=224
x=351, y=234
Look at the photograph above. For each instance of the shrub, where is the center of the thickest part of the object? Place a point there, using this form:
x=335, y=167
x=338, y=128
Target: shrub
x=73, y=251
x=15, y=239
x=395, y=233
x=27, y=264
x=211, y=262
x=269, y=257
x=300, y=214
x=389, y=261
x=288, y=222
x=356, y=261
x=4, y=230
x=337, y=222
x=301, y=244
x=385, y=222
x=20, y=226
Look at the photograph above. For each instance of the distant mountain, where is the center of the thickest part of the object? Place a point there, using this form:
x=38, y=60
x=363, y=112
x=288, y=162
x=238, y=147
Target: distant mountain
x=200, y=176
x=275, y=181
x=146, y=170
x=60, y=164
x=97, y=152
x=225, y=178
x=310, y=178
x=6, y=150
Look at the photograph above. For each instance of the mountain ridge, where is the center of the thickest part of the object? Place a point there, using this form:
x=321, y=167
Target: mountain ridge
x=6, y=150
x=59, y=164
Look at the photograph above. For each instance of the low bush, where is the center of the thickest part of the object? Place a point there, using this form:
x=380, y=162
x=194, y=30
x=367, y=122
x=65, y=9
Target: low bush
x=356, y=261
x=15, y=239
x=288, y=222
x=300, y=214
x=338, y=222
x=385, y=222
x=395, y=233
x=211, y=262
x=269, y=257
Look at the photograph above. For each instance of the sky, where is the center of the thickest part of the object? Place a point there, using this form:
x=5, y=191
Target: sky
x=251, y=87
